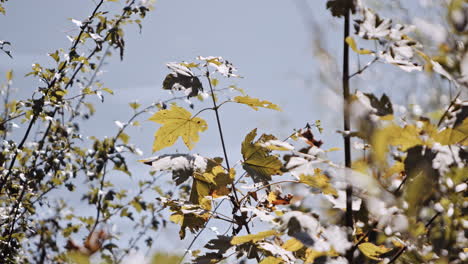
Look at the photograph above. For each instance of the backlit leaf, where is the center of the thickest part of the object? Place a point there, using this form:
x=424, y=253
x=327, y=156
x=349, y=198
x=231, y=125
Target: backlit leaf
x=292, y=245
x=354, y=47
x=237, y=240
x=372, y=251
x=319, y=181
x=258, y=161
x=255, y=103
x=9, y=75
x=450, y=136
x=404, y=138
x=177, y=122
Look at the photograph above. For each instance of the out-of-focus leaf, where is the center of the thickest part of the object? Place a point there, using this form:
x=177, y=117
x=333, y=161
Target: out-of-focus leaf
x=292, y=245
x=404, y=138
x=182, y=166
x=372, y=251
x=352, y=44
x=165, y=258
x=319, y=181
x=221, y=243
x=450, y=136
x=271, y=260
x=383, y=106
x=422, y=177
x=209, y=258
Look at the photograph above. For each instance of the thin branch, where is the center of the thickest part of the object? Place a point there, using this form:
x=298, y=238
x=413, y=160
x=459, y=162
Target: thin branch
x=448, y=108
x=346, y=123
x=364, y=68
x=403, y=249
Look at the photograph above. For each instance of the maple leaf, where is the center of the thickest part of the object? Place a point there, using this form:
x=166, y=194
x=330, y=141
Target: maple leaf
x=257, y=159
x=177, y=122
x=237, y=240
x=182, y=79
x=255, y=103
x=372, y=251
x=319, y=181
x=182, y=166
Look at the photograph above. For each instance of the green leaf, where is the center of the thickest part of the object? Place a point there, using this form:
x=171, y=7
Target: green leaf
x=255, y=103
x=353, y=46
x=237, y=240
x=177, y=122
x=372, y=251
x=258, y=161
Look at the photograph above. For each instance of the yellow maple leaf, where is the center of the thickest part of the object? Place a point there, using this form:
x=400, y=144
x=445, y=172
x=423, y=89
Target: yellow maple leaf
x=258, y=161
x=177, y=122
x=255, y=103
x=372, y=251
x=237, y=240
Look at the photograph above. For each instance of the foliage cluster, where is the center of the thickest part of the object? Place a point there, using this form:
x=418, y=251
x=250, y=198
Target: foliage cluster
x=402, y=201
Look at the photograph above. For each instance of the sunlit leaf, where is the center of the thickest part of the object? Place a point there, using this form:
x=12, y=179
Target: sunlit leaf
x=9, y=75
x=271, y=260
x=353, y=46
x=319, y=181
x=293, y=245
x=258, y=161
x=404, y=138
x=372, y=251
x=458, y=134
x=255, y=103
x=177, y=122
x=237, y=240
x=165, y=258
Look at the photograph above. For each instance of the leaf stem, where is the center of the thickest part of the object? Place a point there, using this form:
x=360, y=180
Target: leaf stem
x=215, y=108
